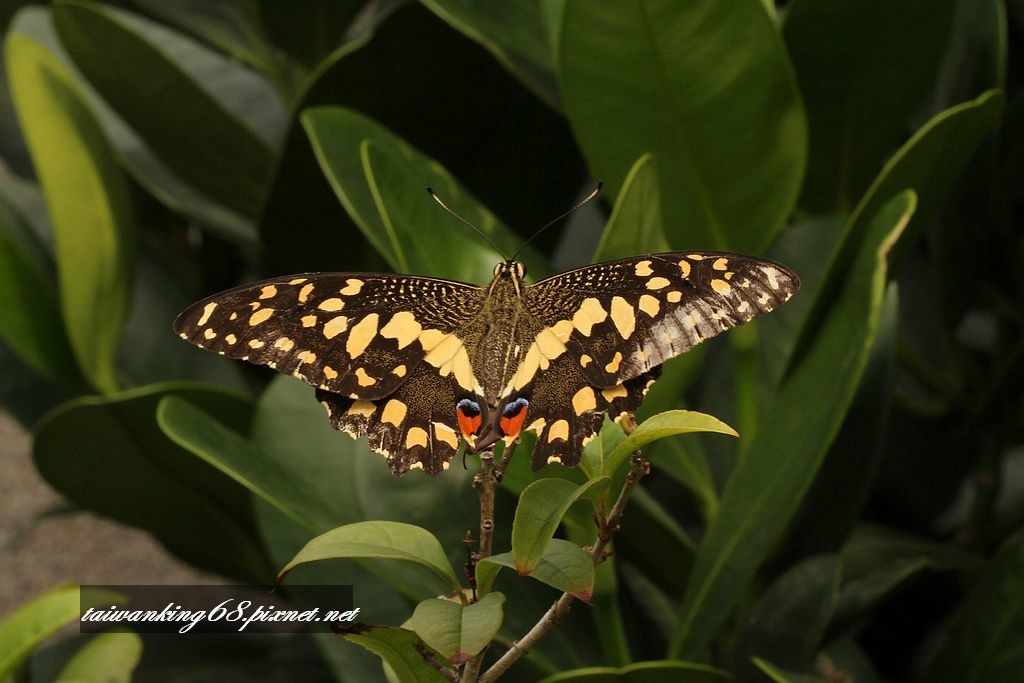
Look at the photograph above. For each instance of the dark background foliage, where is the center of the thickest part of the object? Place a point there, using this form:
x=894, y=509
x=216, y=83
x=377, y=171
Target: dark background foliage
x=867, y=522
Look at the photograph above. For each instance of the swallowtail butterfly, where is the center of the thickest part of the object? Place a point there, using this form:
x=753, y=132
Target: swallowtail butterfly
x=416, y=364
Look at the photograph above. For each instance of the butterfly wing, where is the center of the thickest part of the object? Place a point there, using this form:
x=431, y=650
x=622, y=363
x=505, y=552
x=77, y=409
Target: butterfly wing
x=620, y=319
x=607, y=328
x=365, y=340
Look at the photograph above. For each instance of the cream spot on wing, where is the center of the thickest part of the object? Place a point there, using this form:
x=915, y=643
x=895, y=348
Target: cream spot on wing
x=562, y=330
x=308, y=320
x=364, y=379
x=614, y=393
x=363, y=408
x=643, y=269
x=403, y=328
x=674, y=296
x=695, y=257
x=536, y=425
x=394, y=412
x=255, y=344
x=306, y=357
x=335, y=326
x=330, y=373
x=416, y=436
x=533, y=362
x=657, y=283
x=555, y=457
x=613, y=366
x=548, y=343
x=297, y=281
x=400, y=371
x=771, y=273
x=268, y=292
x=585, y=360
x=729, y=275
x=584, y=401
x=209, y=333
x=207, y=312
x=624, y=316
x=649, y=305
x=443, y=350
x=285, y=344
x=684, y=268
x=558, y=430
x=720, y=286
x=254, y=305
x=431, y=338
x=352, y=286
x=260, y=316
x=231, y=339
x=332, y=304
x=720, y=264
x=361, y=335
x=460, y=366
x=234, y=316
x=305, y=292
x=590, y=313
x=446, y=434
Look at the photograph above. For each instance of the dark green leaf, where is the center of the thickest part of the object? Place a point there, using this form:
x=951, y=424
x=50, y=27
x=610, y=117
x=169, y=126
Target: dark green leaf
x=564, y=566
x=795, y=433
x=379, y=540
x=864, y=68
x=706, y=88
x=635, y=226
x=191, y=130
x=541, y=508
x=124, y=467
x=780, y=675
x=662, y=426
x=87, y=200
x=455, y=630
x=985, y=641
x=400, y=649
x=645, y=672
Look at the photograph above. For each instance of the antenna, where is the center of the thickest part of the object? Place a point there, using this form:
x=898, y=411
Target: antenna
x=583, y=202
x=586, y=200
x=473, y=227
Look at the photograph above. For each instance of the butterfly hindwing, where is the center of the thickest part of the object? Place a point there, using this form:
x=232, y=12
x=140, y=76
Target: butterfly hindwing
x=622, y=318
x=358, y=335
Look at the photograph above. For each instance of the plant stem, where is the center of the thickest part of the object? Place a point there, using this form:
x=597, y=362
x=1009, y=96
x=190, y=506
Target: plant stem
x=486, y=483
x=606, y=530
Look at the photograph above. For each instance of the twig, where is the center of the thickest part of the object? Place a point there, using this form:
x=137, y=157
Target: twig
x=606, y=530
x=485, y=482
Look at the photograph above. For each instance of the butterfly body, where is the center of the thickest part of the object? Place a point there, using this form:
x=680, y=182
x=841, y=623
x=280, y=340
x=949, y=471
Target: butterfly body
x=416, y=364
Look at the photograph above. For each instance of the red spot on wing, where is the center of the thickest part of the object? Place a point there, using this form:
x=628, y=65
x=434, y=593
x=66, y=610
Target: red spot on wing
x=469, y=424
x=513, y=424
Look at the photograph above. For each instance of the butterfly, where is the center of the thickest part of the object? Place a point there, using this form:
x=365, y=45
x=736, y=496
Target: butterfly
x=418, y=364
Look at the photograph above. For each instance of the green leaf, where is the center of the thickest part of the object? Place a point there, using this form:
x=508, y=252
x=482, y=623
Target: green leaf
x=30, y=318
x=635, y=226
x=124, y=467
x=780, y=675
x=87, y=201
x=189, y=128
x=645, y=672
x=662, y=426
x=542, y=505
x=795, y=433
x=789, y=621
x=107, y=657
x=380, y=179
x=985, y=641
x=864, y=69
x=234, y=455
x=515, y=32
x=455, y=630
x=564, y=566
x=380, y=540
x=705, y=87
x=31, y=624
x=400, y=649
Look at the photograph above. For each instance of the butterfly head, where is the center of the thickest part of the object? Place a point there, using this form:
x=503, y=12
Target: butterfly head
x=510, y=269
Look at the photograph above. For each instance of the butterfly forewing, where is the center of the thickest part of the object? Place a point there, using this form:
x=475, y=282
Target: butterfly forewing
x=353, y=334
x=623, y=318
